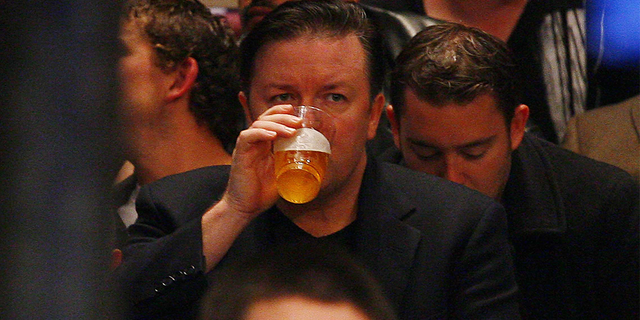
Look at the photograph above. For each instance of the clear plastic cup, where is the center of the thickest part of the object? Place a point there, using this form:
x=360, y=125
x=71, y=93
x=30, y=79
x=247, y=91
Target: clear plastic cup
x=301, y=161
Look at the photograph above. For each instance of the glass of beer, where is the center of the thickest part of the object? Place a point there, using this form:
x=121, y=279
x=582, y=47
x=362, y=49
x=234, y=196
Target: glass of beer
x=301, y=161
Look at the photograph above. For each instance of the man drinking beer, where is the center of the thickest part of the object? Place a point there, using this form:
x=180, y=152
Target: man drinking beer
x=438, y=249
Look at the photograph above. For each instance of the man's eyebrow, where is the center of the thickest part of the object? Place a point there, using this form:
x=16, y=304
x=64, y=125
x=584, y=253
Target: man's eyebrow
x=471, y=144
x=280, y=86
x=479, y=142
x=339, y=84
x=420, y=143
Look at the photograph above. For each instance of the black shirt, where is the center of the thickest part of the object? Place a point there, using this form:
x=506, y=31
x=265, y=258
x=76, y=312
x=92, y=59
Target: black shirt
x=284, y=231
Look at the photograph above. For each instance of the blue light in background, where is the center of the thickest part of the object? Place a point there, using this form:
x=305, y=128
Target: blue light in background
x=620, y=26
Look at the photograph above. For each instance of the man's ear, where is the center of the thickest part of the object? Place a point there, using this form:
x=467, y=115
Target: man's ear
x=184, y=77
x=395, y=125
x=374, y=116
x=244, y=101
x=518, y=125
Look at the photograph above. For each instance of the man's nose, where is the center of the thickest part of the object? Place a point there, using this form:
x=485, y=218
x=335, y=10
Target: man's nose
x=453, y=172
x=307, y=101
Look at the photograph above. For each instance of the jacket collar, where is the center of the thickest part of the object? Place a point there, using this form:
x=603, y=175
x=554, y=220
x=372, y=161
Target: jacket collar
x=532, y=194
x=122, y=190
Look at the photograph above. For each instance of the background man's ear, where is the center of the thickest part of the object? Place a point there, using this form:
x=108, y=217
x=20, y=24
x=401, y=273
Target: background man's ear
x=518, y=125
x=395, y=125
x=185, y=76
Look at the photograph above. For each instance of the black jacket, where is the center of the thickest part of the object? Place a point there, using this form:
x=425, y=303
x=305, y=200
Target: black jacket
x=439, y=249
x=574, y=224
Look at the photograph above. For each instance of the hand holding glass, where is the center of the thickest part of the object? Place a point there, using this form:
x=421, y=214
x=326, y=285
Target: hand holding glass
x=301, y=160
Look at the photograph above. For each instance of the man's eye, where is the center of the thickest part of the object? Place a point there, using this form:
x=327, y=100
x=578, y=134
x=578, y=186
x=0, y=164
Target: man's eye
x=336, y=97
x=426, y=154
x=284, y=97
x=474, y=154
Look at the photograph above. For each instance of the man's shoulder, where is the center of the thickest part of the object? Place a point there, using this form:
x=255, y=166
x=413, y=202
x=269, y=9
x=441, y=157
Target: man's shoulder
x=184, y=195
x=573, y=174
x=419, y=185
x=201, y=180
x=429, y=192
x=610, y=113
x=567, y=163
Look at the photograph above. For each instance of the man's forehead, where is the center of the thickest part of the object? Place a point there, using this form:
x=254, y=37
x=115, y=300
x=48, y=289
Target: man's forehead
x=468, y=141
x=346, y=53
x=315, y=36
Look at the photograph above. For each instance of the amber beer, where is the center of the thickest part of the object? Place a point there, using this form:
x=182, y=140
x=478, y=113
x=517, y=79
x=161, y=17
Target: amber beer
x=300, y=165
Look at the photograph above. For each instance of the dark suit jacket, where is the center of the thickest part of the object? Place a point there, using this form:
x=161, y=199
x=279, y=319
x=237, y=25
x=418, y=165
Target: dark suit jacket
x=439, y=249
x=573, y=223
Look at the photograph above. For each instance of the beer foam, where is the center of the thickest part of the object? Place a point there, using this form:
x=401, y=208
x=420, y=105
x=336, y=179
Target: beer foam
x=305, y=139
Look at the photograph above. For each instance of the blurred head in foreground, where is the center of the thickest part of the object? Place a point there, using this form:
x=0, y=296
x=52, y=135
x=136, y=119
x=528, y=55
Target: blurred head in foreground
x=296, y=282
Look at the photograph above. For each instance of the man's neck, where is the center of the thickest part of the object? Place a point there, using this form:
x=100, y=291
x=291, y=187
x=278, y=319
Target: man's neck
x=177, y=153
x=496, y=17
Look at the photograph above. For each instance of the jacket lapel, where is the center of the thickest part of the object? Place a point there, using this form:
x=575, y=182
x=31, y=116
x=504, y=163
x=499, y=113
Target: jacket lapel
x=383, y=241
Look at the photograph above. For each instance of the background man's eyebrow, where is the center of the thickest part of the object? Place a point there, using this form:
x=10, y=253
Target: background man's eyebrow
x=420, y=143
x=479, y=142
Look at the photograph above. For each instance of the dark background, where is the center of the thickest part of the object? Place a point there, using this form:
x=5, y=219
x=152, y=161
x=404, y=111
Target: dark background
x=57, y=157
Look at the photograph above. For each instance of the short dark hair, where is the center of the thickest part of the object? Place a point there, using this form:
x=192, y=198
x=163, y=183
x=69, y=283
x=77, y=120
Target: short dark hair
x=315, y=271
x=331, y=18
x=452, y=63
x=179, y=29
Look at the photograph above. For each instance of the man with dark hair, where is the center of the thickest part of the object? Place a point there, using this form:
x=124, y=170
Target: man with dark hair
x=179, y=85
x=395, y=28
x=573, y=221
x=572, y=55
x=439, y=250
